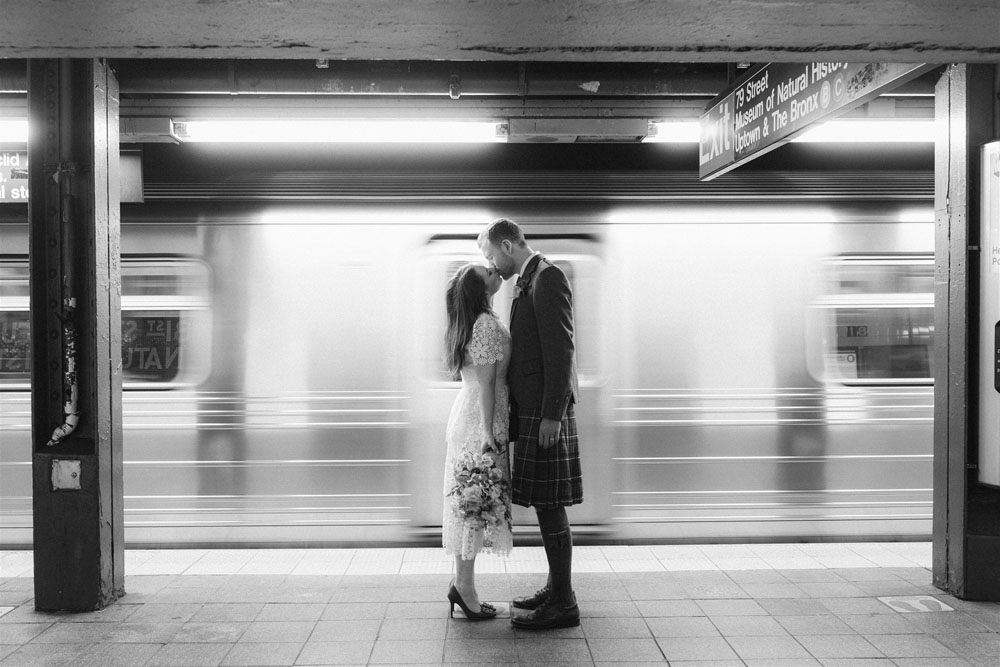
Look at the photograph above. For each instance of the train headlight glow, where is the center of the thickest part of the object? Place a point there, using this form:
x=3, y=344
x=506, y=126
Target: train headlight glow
x=342, y=131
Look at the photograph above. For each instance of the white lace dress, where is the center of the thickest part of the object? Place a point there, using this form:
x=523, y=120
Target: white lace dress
x=490, y=343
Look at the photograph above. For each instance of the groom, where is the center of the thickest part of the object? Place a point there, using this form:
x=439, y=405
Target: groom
x=545, y=472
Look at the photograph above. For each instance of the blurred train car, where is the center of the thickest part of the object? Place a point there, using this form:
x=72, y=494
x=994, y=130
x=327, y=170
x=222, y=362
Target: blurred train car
x=753, y=367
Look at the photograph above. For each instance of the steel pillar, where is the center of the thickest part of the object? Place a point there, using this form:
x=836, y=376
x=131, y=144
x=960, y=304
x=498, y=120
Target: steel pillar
x=75, y=278
x=966, y=546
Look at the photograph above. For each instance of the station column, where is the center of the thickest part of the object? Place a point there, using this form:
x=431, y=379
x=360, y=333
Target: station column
x=966, y=504
x=75, y=279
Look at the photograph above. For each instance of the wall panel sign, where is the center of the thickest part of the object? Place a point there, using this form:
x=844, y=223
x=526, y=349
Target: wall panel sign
x=14, y=176
x=770, y=105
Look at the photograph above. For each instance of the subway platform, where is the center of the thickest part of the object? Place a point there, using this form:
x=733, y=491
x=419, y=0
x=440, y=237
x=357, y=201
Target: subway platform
x=766, y=605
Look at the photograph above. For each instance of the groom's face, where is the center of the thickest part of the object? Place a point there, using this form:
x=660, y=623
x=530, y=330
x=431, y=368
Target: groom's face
x=499, y=257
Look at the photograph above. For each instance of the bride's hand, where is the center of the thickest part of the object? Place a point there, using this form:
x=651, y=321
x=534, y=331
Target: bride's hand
x=489, y=444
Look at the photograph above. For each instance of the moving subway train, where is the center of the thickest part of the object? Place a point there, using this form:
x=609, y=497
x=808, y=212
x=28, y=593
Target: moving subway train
x=751, y=366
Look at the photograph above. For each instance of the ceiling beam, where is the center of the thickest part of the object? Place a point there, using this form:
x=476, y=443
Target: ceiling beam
x=512, y=30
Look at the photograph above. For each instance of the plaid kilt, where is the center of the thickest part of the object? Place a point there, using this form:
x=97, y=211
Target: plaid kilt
x=545, y=478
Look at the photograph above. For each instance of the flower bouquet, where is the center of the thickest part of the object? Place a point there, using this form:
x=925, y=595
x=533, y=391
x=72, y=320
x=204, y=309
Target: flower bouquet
x=481, y=494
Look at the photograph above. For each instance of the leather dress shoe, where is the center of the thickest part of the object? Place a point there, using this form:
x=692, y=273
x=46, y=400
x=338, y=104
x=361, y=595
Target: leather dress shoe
x=549, y=615
x=532, y=601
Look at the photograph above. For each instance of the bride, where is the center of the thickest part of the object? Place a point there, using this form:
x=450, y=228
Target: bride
x=476, y=480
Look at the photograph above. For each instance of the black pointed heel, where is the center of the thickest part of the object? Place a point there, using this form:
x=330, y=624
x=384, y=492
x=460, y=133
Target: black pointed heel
x=455, y=598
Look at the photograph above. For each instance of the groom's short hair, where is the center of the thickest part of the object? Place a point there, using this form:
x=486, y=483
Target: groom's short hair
x=503, y=229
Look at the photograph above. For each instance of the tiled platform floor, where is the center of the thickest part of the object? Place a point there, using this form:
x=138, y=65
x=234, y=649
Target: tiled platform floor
x=710, y=606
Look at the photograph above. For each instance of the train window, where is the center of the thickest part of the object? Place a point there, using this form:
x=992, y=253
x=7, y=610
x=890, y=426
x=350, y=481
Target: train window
x=15, y=346
x=150, y=346
x=165, y=323
x=875, y=321
x=573, y=256
x=15, y=332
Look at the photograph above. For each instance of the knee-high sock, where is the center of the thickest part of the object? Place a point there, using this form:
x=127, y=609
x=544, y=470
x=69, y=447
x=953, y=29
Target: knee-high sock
x=557, y=538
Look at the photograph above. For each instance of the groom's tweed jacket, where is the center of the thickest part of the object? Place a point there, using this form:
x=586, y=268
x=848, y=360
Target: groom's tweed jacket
x=542, y=371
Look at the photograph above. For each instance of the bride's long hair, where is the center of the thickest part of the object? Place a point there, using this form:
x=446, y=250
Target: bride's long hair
x=466, y=299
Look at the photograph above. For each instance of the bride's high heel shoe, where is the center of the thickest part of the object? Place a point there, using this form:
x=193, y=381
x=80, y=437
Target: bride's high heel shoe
x=455, y=598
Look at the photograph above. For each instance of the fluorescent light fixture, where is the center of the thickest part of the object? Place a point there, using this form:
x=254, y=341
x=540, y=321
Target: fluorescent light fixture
x=437, y=131
x=673, y=132
x=342, y=131
x=14, y=131
x=834, y=131
x=870, y=131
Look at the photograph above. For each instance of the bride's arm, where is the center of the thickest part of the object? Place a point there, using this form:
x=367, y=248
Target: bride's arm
x=486, y=376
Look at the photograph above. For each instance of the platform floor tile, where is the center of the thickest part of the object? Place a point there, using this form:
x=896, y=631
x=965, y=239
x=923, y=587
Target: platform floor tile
x=755, y=605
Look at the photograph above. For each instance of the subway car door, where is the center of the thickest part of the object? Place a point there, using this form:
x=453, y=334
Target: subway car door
x=579, y=255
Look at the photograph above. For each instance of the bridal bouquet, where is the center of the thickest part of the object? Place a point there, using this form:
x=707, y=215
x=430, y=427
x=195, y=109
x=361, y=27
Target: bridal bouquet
x=480, y=492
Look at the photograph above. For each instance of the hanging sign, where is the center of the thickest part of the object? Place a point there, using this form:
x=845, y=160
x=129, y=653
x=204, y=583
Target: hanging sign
x=772, y=104
x=13, y=177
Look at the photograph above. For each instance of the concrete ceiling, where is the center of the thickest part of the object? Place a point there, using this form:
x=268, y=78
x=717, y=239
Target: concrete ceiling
x=938, y=31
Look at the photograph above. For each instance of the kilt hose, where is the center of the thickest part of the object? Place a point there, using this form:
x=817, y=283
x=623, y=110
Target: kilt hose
x=546, y=478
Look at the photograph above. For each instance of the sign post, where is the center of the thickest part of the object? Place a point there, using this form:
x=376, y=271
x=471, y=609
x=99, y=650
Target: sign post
x=771, y=105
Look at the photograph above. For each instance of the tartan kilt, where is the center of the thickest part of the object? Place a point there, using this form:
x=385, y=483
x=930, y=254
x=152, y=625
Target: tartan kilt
x=545, y=478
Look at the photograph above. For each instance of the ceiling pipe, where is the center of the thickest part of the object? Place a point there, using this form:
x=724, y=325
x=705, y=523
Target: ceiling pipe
x=569, y=80
x=435, y=78
x=402, y=78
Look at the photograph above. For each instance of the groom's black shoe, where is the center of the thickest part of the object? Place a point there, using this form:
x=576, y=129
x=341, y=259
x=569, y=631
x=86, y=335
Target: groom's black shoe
x=532, y=601
x=549, y=615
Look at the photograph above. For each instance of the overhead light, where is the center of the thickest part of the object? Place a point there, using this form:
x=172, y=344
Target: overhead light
x=869, y=131
x=130, y=130
x=834, y=131
x=14, y=131
x=341, y=131
x=673, y=132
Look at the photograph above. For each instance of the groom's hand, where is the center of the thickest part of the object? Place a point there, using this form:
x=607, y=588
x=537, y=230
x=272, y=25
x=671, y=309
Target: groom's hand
x=548, y=432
